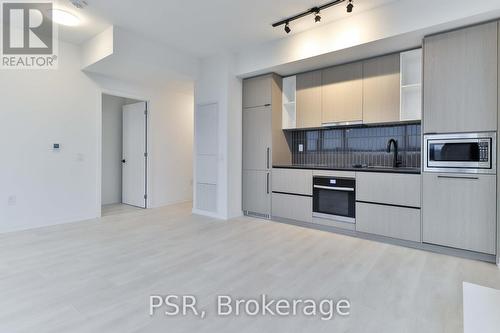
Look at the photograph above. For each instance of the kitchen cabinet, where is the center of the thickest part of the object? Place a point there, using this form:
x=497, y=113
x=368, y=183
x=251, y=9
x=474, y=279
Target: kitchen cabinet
x=257, y=91
x=257, y=192
x=342, y=93
x=461, y=79
x=389, y=188
x=257, y=138
x=292, y=181
x=308, y=100
x=459, y=211
x=292, y=207
x=389, y=221
x=381, y=89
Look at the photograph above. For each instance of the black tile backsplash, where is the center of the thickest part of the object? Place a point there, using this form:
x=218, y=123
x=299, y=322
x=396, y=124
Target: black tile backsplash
x=345, y=147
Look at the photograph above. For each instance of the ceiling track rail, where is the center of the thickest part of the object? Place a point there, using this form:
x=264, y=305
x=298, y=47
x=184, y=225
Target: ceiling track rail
x=312, y=11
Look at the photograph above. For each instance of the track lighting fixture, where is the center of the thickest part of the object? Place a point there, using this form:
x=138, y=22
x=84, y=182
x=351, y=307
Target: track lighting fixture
x=350, y=6
x=287, y=28
x=313, y=11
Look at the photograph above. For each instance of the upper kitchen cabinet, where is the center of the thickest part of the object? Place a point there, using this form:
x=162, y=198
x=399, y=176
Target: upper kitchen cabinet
x=460, y=80
x=257, y=91
x=342, y=94
x=381, y=89
x=308, y=100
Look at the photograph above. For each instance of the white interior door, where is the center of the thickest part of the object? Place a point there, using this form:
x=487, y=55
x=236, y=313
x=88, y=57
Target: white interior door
x=134, y=155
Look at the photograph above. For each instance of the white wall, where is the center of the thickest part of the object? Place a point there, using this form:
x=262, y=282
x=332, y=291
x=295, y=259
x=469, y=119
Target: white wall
x=112, y=128
x=39, y=108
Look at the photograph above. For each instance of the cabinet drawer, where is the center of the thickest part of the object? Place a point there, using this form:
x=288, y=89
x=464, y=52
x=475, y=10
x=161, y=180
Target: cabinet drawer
x=334, y=173
x=389, y=221
x=292, y=181
x=293, y=207
x=389, y=188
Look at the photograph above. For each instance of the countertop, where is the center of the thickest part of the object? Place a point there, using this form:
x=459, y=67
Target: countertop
x=363, y=169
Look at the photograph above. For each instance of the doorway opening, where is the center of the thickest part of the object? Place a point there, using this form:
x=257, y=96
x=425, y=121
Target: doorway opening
x=124, y=155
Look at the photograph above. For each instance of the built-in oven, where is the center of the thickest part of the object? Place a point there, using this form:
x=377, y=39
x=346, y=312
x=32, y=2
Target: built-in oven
x=462, y=153
x=334, y=199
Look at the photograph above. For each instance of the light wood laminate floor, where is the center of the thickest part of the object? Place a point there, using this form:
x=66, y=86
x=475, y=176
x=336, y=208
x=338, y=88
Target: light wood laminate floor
x=97, y=276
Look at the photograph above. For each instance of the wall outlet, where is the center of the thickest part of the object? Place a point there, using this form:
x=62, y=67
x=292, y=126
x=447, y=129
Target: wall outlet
x=12, y=200
x=301, y=148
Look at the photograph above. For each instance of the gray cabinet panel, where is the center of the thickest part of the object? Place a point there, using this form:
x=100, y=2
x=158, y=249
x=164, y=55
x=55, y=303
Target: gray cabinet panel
x=395, y=189
x=257, y=91
x=389, y=221
x=292, y=181
x=460, y=211
x=257, y=138
x=292, y=207
x=257, y=192
x=460, y=80
x=308, y=100
x=342, y=93
x=381, y=89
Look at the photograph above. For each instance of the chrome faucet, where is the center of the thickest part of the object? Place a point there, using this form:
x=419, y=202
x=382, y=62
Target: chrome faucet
x=396, y=163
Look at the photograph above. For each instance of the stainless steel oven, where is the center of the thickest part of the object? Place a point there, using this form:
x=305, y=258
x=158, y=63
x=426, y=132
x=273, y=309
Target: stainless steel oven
x=463, y=152
x=334, y=199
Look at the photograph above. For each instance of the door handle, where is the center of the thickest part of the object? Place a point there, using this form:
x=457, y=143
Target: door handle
x=456, y=177
x=267, y=156
x=267, y=183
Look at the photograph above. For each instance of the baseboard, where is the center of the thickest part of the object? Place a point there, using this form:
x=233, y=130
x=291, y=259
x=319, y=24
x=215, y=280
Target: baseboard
x=47, y=224
x=208, y=214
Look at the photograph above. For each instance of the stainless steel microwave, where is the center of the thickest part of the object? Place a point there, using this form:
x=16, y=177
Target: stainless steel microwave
x=460, y=153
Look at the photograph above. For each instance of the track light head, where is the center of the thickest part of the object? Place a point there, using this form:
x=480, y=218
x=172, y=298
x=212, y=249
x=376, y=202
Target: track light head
x=287, y=28
x=350, y=6
x=317, y=17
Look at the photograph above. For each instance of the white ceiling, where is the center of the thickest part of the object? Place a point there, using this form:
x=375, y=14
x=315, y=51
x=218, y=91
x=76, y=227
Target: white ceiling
x=202, y=27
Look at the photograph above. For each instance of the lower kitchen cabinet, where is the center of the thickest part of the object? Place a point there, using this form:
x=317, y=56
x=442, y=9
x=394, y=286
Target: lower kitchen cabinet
x=292, y=181
x=389, y=188
x=390, y=221
x=293, y=207
x=257, y=192
x=459, y=211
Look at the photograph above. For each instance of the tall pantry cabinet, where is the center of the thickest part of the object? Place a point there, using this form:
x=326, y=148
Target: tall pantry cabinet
x=263, y=141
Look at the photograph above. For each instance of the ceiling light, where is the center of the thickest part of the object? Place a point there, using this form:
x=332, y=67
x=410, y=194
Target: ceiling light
x=312, y=11
x=287, y=28
x=63, y=17
x=350, y=6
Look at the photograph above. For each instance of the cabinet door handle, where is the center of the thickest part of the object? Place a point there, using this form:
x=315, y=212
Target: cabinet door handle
x=267, y=183
x=267, y=156
x=456, y=177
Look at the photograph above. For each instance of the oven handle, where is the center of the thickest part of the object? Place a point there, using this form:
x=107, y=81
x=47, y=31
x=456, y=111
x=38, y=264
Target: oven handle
x=332, y=188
